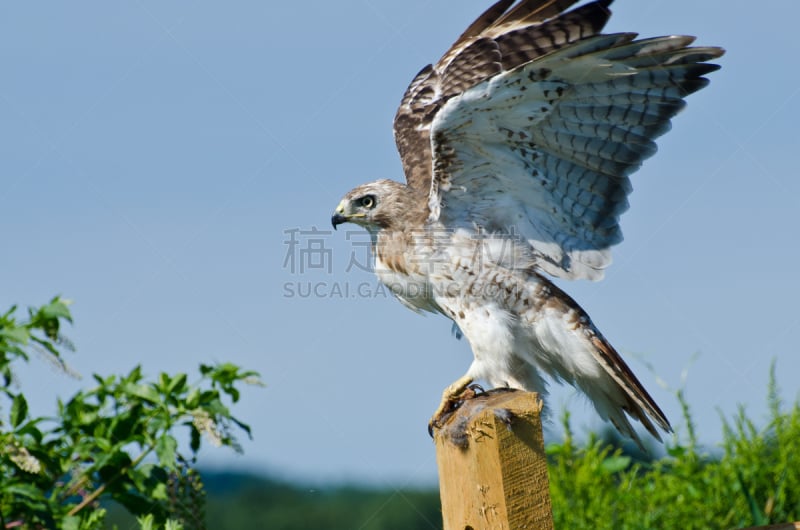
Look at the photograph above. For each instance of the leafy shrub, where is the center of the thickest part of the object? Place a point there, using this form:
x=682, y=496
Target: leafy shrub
x=114, y=441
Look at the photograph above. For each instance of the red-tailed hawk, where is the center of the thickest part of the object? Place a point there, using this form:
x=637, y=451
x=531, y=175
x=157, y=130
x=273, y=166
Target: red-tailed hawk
x=517, y=146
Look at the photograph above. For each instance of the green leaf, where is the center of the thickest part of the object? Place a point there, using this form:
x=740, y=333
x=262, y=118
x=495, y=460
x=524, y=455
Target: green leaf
x=151, y=481
x=193, y=399
x=146, y=521
x=28, y=491
x=138, y=504
x=57, y=308
x=159, y=491
x=15, y=334
x=71, y=522
x=31, y=429
x=19, y=410
x=245, y=427
x=111, y=466
x=676, y=451
x=145, y=392
x=195, y=439
x=177, y=384
x=165, y=450
x=758, y=517
x=172, y=524
x=614, y=464
x=94, y=519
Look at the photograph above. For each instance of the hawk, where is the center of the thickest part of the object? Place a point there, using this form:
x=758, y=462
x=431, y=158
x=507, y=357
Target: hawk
x=517, y=148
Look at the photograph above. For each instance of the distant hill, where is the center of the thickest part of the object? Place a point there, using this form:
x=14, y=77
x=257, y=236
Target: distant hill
x=241, y=501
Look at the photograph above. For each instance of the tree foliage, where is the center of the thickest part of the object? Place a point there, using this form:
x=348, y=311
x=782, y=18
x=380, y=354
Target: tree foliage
x=114, y=441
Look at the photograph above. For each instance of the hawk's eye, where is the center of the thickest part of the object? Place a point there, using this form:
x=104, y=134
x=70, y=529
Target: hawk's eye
x=367, y=201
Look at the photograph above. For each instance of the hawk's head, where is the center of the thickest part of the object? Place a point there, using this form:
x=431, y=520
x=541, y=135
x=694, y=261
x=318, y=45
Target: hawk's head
x=383, y=204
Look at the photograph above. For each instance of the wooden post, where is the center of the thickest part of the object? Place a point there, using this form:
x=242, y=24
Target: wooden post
x=492, y=466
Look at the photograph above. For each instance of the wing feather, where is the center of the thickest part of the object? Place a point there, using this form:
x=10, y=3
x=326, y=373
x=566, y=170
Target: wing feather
x=504, y=37
x=484, y=21
x=546, y=148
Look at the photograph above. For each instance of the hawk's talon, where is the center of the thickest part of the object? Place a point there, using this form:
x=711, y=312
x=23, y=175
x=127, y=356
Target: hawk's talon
x=452, y=398
x=476, y=389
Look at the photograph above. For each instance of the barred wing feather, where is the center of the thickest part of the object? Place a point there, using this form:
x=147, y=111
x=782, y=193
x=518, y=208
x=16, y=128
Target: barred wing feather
x=501, y=39
x=547, y=147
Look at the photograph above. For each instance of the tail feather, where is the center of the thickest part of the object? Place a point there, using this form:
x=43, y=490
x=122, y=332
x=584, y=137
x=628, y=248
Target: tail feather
x=636, y=400
x=581, y=356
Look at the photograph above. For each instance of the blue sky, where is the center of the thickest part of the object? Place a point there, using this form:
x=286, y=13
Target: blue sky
x=156, y=156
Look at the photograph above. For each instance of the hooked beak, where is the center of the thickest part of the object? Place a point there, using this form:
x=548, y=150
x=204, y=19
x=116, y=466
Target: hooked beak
x=338, y=219
x=338, y=215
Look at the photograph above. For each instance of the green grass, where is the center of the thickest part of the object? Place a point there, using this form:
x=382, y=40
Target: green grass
x=754, y=480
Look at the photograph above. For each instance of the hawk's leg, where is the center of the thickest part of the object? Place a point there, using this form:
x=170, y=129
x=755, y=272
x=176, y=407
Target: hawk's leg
x=451, y=397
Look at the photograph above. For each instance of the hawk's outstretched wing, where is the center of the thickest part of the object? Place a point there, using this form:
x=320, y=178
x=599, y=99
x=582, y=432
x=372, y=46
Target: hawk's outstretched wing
x=534, y=120
x=499, y=40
